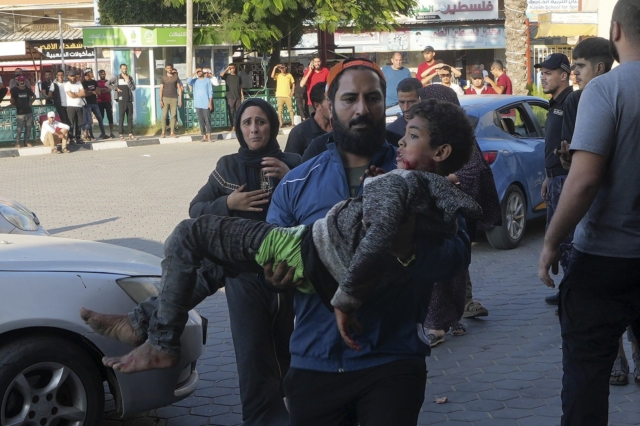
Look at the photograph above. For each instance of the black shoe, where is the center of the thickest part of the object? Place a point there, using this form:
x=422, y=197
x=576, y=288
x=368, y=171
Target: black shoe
x=553, y=300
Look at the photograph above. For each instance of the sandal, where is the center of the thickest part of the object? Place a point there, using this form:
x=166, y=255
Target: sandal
x=131, y=137
x=29, y=145
x=619, y=372
x=458, y=330
x=636, y=369
x=474, y=309
x=163, y=135
x=121, y=137
x=55, y=151
x=66, y=151
x=173, y=135
x=434, y=340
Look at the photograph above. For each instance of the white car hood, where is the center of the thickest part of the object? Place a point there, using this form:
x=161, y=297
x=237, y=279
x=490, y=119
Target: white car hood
x=36, y=253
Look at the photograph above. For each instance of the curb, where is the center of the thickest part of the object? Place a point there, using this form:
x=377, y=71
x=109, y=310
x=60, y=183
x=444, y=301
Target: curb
x=115, y=144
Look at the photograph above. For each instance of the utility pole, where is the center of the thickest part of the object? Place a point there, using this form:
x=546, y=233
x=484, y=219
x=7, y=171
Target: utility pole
x=61, y=41
x=189, y=38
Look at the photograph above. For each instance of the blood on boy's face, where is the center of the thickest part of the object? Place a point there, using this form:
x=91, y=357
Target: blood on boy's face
x=414, y=149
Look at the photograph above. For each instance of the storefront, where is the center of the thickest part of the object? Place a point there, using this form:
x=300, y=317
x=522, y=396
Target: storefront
x=146, y=50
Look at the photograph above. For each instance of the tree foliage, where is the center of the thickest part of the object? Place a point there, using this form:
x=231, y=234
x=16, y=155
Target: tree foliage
x=259, y=24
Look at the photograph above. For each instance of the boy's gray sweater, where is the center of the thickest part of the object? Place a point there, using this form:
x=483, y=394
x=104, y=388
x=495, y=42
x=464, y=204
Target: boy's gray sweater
x=357, y=233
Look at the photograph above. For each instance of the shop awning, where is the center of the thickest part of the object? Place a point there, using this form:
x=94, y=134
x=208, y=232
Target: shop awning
x=569, y=24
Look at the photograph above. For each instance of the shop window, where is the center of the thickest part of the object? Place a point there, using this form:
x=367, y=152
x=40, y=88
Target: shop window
x=142, y=67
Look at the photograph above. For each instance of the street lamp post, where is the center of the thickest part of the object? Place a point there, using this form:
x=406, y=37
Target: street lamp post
x=61, y=40
x=189, y=38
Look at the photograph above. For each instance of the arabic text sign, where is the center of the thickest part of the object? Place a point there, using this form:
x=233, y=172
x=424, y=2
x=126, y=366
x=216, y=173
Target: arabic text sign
x=458, y=38
x=73, y=49
x=552, y=5
x=374, y=41
x=134, y=37
x=454, y=10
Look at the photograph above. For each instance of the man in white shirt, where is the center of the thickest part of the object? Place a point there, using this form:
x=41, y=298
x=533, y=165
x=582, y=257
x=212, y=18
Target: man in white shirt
x=445, y=74
x=75, y=101
x=53, y=133
x=57, y=93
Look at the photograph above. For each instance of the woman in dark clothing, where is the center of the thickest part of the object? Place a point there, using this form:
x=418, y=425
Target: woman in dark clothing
x=261, y=319
x=451, y=300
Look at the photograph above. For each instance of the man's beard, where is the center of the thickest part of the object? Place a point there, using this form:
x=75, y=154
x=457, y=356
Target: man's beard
x=363, y=143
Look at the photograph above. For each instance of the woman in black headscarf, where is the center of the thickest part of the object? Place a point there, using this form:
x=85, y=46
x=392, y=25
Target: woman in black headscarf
x=261, y=319
x=452, y=300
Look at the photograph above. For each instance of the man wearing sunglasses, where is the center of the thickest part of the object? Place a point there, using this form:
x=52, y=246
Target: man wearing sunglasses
x=445, y=74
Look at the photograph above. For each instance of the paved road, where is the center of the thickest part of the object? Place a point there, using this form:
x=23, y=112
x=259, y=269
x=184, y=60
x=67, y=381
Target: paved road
x=505, y=371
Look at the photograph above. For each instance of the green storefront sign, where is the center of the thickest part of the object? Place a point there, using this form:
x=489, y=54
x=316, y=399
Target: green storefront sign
x=134, y=37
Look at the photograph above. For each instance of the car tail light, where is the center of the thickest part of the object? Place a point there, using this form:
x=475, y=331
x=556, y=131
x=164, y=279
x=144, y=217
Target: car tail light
x=490, y=156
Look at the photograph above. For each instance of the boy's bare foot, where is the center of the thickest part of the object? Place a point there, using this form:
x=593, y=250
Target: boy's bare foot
x=142, y=358
x=115, y=326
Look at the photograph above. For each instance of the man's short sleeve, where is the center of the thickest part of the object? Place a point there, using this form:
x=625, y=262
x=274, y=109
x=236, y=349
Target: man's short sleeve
x=596, y=123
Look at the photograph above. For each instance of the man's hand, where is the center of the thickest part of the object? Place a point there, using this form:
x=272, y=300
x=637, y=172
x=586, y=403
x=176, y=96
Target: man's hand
x=161, y=104
x=549, y=258
x=543, y=190
x=282, y=276
x=346, y=323
x=564, y=154
x=247, y=201
x=487, y=79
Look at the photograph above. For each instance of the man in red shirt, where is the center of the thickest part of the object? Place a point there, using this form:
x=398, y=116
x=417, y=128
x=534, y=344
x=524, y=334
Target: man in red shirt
x=316, y=73
x=477, y=85
x=502, y=85
x=429, y=54
x=104, y=101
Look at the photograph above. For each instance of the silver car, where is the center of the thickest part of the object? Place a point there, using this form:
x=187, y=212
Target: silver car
x=51, y=371
x=16, y=218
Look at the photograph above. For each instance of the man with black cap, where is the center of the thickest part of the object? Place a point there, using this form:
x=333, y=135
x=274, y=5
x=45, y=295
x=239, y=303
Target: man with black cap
x=427, y=67
x=555, y=72
x=477, y=84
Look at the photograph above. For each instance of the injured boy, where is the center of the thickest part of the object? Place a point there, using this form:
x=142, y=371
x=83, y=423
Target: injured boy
x=414, y=202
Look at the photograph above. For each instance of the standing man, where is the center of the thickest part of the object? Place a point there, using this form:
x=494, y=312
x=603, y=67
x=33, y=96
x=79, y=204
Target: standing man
x=284, y=90
x=477, y=86
x=124, y=86
x=502, y=85
x=592, y=57
x=59, y=96
x=91, y=91
x=555, y=72
x=235, y=95
x=600, y=295
x=202, y=101
x=14, y=81
x=104, y=100
x=299, y=92
x=383, y=383
x=428, y=66
x=315, y=74
x=407, y=93
x=446, y=74
x=22, y=97
x=45, y=87
x=394, y=74
x=170, y=98
x=319, y=123
x=246, y=76
x=75, y=101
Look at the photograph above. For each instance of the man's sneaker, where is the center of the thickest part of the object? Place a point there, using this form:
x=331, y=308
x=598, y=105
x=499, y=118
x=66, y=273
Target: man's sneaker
x=103, y=136
x=112, y=136
x=554, y=299
x=474, y=309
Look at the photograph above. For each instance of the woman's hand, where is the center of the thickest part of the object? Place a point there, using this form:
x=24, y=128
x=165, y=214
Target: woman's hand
x=272, y=167
x=247, y=201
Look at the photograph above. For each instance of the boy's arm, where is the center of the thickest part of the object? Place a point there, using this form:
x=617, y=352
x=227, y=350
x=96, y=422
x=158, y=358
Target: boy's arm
x=385, y=205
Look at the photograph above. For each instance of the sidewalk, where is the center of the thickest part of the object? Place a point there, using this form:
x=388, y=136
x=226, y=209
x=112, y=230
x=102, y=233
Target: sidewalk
x=103, y=144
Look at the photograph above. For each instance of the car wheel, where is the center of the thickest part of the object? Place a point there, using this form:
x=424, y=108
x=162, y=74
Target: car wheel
x=47, y=380
x=514, y=221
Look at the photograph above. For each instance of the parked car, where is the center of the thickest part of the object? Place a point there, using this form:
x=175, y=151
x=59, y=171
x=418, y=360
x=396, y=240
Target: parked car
x=51, y=371
x=16, y=218
x=510, y=132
